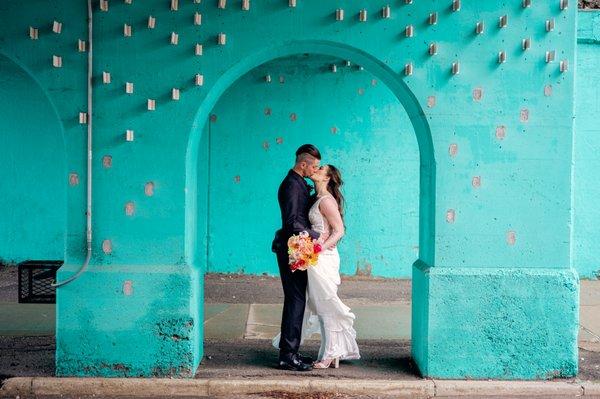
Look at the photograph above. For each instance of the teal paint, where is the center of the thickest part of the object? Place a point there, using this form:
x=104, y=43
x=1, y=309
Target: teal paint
x=586, y=245
x=32, y=180
x=358, y=125
x=517, y=223
x=494, y=323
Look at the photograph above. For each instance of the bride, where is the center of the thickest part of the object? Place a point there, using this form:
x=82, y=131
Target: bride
x=325, y=313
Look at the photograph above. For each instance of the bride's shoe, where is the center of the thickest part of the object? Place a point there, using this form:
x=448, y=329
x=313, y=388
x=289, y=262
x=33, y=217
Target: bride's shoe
x=324, y=364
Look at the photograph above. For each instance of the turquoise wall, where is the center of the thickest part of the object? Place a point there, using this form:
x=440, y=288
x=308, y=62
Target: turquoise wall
x=33, y=207
x=358, y=125
x=495, y=156
x=586, y=239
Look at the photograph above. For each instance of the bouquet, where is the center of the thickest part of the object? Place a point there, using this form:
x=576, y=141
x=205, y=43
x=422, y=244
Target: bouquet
x=303, y=251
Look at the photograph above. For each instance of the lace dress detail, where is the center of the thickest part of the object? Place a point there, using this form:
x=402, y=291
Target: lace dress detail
x=325, y=313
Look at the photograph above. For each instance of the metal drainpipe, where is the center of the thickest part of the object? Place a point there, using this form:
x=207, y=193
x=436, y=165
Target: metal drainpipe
x=89, y=158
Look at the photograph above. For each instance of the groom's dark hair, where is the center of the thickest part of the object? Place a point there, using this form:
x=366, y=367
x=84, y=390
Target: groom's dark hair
x=308, y=149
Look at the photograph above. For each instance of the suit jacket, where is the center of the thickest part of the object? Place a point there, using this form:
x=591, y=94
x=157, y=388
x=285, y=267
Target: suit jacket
x=294, y=203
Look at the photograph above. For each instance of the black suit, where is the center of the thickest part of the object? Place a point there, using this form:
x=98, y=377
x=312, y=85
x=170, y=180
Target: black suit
x=294, y=199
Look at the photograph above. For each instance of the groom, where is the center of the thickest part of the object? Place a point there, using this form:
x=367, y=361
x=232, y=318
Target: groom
x=293, y=196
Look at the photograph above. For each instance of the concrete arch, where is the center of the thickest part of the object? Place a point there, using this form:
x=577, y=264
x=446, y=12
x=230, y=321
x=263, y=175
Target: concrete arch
x=387, y=76
x=31, y=114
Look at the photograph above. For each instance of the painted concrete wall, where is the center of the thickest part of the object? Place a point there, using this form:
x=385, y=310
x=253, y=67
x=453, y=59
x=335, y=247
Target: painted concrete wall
x=33, y=206
x=358, y=125
x=495, y=169
x=586, y=234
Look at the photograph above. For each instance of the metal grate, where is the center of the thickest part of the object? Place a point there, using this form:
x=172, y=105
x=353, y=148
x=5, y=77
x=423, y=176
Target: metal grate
x=35, y=277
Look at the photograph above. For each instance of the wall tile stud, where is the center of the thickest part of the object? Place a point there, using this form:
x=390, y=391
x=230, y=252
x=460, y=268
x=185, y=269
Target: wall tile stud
x=103, y=5
x=550, y=25
x=129, y=135
x=175, y=94
x=453, y=149
x=222, y=4
x=81, y=45
x=149, y=189
x=129, y=88
x=480, y=27
x=450, y=216
x=128, y=288
x=431, y=100
x=476, y=181
x=174, y=5
x=197, y=18
x=511, y=237
x=564, y=4
x=455, y=68
x=281, y=79
x=477, y=94
x=526, y=3
x=107, y=247
x=526, y=44
x=503, y=21
x=292, y=3
x=107, y=161
x=126, y=30
x=500, y=132
x=245, y=5
x=56, y=27
x=198, y=49
x=409, y=31
x=362, y=15
x=433, y=18
x=151, y=22
x=106, y=77
x=33, y=33
x=73, y=179
x=550, y=56
x=456, y=5
x=548, y=90
x=339, y=14
x=501, y=57
x=199, y=80
x=268, y=78
x=128, y=1
x=151, y=104
x=333, y=68
x=408, y=1
x=564, y=66
x=57, y=61
x=408, y=69
x=386, y=12
x=83, y=118
x=348, y=63
x=433, y=49
x=222, y=39
x=129, y=208
x=174, y=38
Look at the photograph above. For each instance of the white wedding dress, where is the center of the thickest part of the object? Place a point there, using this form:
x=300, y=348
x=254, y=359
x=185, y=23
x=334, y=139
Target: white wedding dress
x=325, y=314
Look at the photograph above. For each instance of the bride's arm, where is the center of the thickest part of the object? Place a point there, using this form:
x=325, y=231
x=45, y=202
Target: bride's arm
x=330, y=210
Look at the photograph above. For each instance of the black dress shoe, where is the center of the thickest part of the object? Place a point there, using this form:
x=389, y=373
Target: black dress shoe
x=305, y=359
x=293, y=363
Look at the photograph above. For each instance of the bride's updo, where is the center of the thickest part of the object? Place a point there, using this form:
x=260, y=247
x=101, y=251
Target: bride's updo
x=334, y=185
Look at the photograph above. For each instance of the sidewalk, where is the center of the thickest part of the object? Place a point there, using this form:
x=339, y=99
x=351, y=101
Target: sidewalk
x=242, y=314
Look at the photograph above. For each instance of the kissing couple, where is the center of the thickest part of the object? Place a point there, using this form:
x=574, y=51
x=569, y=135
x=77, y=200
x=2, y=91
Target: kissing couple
x=311, y=304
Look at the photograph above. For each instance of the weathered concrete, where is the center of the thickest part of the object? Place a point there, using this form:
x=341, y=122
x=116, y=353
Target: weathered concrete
x=522, y=323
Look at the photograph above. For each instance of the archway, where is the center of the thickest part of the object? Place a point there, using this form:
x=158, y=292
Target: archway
x=195, y=233
x=34, y=217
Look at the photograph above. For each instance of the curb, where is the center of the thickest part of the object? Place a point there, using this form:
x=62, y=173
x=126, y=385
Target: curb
x=145, y=387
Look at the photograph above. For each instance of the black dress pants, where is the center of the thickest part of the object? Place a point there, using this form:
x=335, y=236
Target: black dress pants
x=294, y=291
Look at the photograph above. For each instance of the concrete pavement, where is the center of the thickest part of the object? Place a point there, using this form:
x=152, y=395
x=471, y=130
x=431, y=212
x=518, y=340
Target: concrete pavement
x=242, y=313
